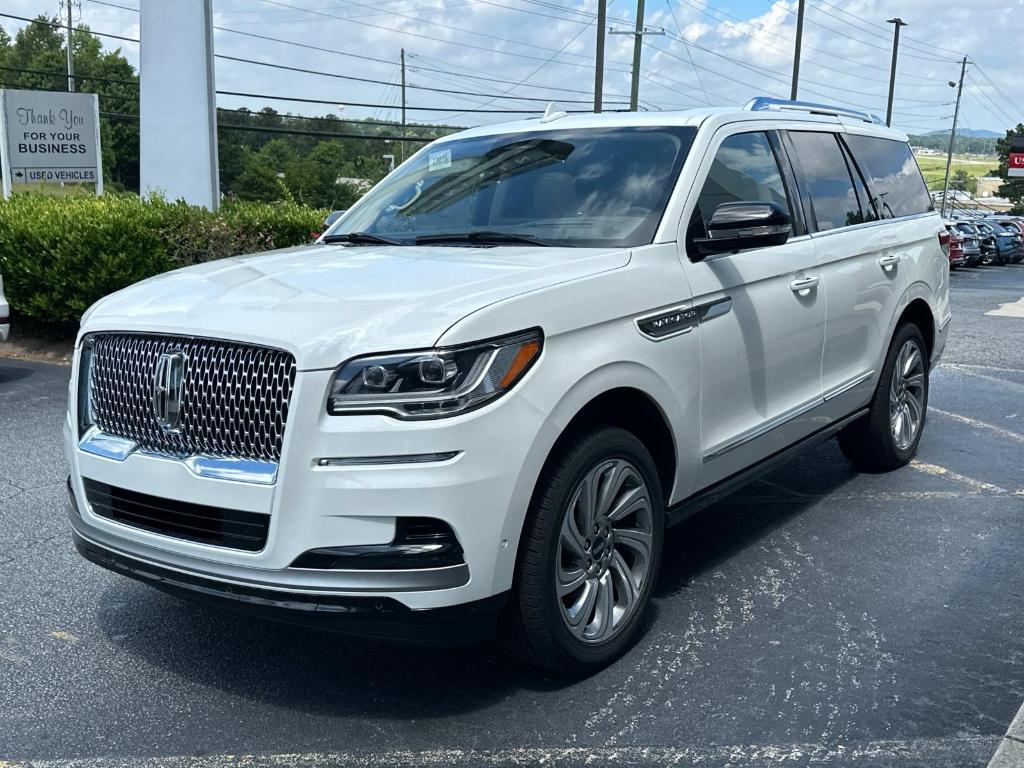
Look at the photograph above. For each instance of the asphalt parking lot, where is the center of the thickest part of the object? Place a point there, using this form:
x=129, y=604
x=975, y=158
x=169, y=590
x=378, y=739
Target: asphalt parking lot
x=817, y=617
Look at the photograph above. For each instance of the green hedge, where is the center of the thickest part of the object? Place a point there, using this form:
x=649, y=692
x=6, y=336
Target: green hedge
x=60, y=254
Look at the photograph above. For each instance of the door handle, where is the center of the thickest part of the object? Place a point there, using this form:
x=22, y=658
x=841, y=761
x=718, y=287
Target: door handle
x=889, y=262
x=803, y=284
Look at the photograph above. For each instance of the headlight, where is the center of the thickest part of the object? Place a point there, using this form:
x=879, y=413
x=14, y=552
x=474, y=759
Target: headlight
x=433, y=383
x=86, y=417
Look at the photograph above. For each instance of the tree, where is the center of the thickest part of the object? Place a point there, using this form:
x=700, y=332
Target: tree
x=1012, y=189
x=963, y=180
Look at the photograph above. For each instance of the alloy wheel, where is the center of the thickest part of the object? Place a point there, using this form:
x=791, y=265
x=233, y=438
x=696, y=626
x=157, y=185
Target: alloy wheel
x=604, y=550
x=906, y=395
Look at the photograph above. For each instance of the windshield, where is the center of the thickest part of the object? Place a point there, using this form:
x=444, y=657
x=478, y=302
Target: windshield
x=583, y=188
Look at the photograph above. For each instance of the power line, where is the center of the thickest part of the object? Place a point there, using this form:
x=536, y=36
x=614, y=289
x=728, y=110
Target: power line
x=307, y=71
x=334, y=102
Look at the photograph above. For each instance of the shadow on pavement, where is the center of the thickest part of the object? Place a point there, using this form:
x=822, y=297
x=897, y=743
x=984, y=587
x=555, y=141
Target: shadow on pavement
x=320, y=673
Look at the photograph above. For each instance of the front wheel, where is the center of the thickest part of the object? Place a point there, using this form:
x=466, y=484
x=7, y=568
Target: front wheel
x=887, y=437
x=589, y=555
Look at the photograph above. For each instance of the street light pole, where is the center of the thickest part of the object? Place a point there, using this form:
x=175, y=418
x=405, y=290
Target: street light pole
x=403, y=105
x=952, y=134
x=892, y=75
x=796, y=52
x=71, y=63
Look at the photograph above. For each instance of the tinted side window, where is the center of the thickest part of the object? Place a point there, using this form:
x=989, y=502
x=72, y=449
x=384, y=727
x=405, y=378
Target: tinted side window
x=744, y=170
x=893, y=176
x=827, y=180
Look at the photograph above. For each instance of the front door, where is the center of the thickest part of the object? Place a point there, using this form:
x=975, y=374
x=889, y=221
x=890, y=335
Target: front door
x=762, y=332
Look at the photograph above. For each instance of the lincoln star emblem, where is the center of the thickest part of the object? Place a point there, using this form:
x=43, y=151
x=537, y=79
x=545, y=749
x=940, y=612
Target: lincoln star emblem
x=168, y=389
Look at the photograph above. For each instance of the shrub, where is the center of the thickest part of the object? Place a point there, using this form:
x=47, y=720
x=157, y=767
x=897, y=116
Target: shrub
x=58, y=255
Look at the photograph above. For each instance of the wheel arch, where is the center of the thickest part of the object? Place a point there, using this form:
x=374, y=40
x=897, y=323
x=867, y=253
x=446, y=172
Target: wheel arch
x=602, y=397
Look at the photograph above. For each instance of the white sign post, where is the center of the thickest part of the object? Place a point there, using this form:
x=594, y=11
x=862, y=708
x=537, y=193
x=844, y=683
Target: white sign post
x=50, y=137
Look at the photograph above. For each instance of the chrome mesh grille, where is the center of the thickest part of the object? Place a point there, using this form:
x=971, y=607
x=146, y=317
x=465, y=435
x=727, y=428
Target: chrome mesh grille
x=234, y=402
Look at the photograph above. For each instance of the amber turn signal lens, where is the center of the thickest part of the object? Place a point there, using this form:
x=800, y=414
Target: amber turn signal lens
x=522, y=359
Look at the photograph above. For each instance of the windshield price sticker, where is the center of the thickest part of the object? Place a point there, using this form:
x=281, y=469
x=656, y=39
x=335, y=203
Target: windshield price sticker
x=438, y=161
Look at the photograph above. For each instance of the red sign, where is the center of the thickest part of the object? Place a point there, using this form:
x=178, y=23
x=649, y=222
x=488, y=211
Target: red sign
x=1016, y=164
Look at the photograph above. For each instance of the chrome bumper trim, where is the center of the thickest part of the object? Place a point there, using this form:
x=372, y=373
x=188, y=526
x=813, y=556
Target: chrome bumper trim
x=291, y=580
x=238, y=470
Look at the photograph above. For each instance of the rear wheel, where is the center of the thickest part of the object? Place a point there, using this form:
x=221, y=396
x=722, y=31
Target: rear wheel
x=887, y=437
x=589, y=555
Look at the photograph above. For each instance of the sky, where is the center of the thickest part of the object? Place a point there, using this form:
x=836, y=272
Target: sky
x=518, y=54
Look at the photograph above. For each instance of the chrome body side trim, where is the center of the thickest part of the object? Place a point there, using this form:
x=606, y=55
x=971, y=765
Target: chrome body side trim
x=676, y=321
x=369, y=461
x=762, y=429
x=231, y=468
x=847, y=386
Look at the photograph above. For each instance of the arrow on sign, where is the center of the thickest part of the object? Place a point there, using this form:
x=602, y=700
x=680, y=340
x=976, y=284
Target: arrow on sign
x=19, y=174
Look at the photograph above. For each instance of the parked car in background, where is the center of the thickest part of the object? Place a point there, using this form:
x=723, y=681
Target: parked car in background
x=477, y=403
x=971, y=241
x=1003, y=245
x=1016, y=238
x=5, y=313
x=954, y=247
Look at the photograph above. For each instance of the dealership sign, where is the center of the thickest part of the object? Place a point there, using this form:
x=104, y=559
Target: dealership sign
x=49, y=138
x=1016, y=164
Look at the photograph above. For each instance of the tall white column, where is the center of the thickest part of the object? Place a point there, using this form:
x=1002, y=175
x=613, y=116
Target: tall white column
x=178, y=114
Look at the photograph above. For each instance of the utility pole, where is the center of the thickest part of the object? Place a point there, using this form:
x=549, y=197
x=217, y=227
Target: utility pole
x=796, y=52
x=602, y=11
x=892, y=75
x=71, y=63
x=952, y=134
x=403, y=105
x=638, y=41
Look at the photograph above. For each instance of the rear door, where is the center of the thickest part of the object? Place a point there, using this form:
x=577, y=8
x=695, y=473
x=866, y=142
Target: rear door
x=860, y=248
x=762, y=331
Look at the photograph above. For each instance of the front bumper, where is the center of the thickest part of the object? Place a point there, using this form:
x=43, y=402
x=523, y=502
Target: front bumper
x=370, y=617
x=482, y=495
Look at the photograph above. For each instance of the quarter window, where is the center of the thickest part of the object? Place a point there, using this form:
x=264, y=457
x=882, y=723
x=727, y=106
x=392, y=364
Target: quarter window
x=827, y=180
x=744, y=170
x=893, y=175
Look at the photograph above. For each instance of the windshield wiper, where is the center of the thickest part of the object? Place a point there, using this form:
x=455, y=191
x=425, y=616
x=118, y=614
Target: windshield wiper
x=361, y=238
x=482, y=237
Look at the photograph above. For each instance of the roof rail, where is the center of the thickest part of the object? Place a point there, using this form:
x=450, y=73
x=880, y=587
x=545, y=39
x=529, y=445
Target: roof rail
x=764, y=103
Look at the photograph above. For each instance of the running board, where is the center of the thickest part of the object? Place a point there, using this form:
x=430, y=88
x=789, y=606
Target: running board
x=713, y=493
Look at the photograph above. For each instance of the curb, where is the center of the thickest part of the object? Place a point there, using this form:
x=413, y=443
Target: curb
x=1011, y=749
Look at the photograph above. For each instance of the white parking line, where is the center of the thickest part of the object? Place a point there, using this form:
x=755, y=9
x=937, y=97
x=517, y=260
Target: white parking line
x=1013, y=309
x=936, y=471
x=973, y=371
x=1004, y=433
x=962, y=750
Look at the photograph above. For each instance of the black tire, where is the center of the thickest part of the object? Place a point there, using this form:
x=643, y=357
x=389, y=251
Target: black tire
x=534, y=628
x=870, y=442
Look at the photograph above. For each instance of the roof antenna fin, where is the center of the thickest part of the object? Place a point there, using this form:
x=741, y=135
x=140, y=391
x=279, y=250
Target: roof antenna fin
x=551, y=113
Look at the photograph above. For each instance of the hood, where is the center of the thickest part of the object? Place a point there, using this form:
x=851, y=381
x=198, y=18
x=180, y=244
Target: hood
x=325, y=303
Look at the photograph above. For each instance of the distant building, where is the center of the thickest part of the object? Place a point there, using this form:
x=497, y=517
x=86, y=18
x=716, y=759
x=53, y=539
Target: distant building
x=925, y=151
x=988, y=186
x=363, y=185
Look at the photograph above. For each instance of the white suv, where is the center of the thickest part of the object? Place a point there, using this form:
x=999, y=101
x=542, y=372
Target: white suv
x=480, y=398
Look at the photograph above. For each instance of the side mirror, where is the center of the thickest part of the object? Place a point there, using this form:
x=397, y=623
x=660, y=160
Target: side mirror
x=741, y=226
x=332, y=217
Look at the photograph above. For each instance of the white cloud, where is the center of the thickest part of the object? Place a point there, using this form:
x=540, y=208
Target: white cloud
x=846, y=53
